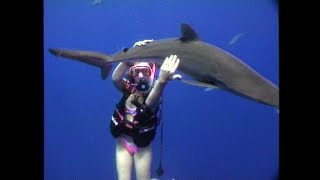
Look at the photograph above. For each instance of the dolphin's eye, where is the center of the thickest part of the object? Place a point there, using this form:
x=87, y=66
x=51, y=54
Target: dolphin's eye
x=125, y=49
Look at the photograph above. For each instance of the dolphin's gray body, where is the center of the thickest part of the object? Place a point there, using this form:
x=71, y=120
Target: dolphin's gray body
x=204, y=62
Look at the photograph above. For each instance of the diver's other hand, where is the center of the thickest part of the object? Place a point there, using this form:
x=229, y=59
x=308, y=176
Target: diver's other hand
x=168, y=67
x=142, y=43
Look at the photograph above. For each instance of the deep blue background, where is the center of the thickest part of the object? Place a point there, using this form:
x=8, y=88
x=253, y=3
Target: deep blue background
x=207, y=135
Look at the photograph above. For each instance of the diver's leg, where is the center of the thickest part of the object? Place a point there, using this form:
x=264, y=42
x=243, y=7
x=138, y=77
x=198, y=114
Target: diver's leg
x=124, y=162
x=142, y=163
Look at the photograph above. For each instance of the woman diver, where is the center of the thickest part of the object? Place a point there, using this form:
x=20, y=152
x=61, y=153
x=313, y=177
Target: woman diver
x=135, y=119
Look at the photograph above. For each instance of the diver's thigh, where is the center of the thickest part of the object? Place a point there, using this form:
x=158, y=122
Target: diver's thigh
x=142, y=162
x=124, y=162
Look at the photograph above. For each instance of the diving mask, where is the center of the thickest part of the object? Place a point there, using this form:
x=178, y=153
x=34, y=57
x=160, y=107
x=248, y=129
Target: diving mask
x=145, y=82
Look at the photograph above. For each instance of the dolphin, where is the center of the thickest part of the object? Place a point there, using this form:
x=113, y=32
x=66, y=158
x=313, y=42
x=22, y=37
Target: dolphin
x=205, y=63
x=97, y=2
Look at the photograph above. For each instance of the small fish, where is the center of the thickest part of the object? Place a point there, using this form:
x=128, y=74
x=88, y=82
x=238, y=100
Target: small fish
x=235, y=38
x=97, y=2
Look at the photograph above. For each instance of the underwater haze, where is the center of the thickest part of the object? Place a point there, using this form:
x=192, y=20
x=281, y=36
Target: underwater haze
x=208, y=135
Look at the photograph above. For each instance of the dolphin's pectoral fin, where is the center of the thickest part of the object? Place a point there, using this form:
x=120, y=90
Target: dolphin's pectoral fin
x=200, y=84
x=105, y=71
x=188, y=34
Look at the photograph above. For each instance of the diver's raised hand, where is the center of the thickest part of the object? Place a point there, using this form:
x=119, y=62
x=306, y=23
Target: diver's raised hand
x=168, y=68
x=142, y=43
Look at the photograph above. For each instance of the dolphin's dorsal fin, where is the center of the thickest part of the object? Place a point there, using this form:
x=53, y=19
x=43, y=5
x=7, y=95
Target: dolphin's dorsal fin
x=188, y=34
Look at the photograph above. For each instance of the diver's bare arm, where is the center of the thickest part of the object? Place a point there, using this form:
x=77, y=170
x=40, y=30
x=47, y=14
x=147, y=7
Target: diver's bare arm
x=154, y=97
x=118, y=74
x=167, y=70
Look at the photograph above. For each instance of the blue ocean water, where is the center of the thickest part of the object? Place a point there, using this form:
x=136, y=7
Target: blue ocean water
x=208, y=135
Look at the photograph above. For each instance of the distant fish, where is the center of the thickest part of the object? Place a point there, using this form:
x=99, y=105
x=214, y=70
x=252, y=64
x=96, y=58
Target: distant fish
x=97, y=2
x=235, y=38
